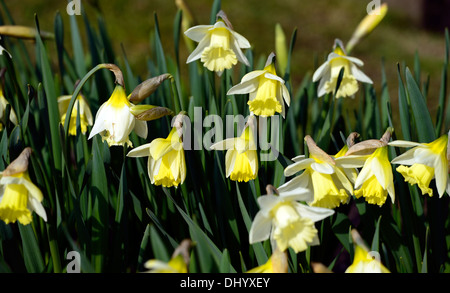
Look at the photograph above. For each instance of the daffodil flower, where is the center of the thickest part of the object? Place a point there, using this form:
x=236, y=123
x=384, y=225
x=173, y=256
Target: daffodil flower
x=241, y=159
x=277, y=263
x=286, y=221
x=114, y=120
x=219, y=45
x=365, y=261
x=427, y=161
x=19, y=197
x=175, y=265
x=3, y=105
x=166, y=161
x=267, y=90
x=86, y=118
x=328, y=183
x=328, y=74
x=375, y=180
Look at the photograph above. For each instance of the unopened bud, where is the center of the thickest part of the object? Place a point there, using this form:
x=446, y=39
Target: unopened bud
x=149, y=112
x=23, y=32
x=147, y=87
x=281, y=48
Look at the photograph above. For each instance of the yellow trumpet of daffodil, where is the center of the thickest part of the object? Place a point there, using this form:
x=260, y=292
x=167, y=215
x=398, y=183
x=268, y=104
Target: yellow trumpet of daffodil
x=81, y=105
x=3, y=105
x=241, y=159
x=219, y=45
x=166, y=161
x=286, y=221
x=328, y=73
x=19, y=197
x=327, y=182
x=375, y=180
x=267, y=90
x=365, y=261
x=427, y=161
x=114, y=120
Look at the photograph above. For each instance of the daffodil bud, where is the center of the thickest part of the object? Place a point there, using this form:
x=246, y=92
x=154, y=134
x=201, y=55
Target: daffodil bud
x=367, y=25
x=149, y=112
x=147, y=87
x=281, y=48
x=23, y=32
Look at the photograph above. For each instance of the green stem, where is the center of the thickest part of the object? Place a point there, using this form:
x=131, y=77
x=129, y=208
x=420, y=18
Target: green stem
x=175, y=95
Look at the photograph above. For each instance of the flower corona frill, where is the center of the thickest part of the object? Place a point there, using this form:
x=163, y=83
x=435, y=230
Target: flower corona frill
x=268, y=92
x=114, y=120
x=219, y=45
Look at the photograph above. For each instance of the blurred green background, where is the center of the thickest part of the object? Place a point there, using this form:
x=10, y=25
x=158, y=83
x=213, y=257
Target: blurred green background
x=402, y=34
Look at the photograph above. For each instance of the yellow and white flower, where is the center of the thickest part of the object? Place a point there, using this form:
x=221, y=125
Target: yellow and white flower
x=81, y=104
x=12, y=114
x=328, y=183
x=166, y=161
x=427, y=161
x=365, y=261
x=114, y=120
x=175, y=265
x=241, y=159
x=219, y=46
x=267, y=90
x=286, y=221
x=375, y=180
x=328, y=74
x=277, y=263
x=19, y=197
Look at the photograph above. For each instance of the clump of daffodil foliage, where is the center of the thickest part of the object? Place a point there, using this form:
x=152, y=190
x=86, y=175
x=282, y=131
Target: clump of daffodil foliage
x=219, y=162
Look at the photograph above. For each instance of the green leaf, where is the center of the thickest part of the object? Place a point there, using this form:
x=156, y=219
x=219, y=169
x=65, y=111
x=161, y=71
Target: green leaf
x=422, y=117
x=31, y=250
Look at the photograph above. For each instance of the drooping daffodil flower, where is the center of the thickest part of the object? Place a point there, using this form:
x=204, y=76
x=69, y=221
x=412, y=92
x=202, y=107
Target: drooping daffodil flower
x=375, y=180
x=219, y=45
x=241, y=159
x=427, y=161
x=19, y=197
x=286, y=221
x=114, y=120
x=81, y=106
x=328, y=73
x=328, y=183
x=365, y=261
x=178, y=262
x=277, y=263
x=166, y=161
x=267, y=91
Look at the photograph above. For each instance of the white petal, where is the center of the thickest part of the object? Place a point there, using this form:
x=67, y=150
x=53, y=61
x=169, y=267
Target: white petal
x=197, y=53
x=99, y=125
x=441, y=176
x=33, y=190
x=366, y=173
x=286, y=95
x=197, y=33
x=241, y=41
x=244, y=87
x=353, y=60
x=359, y=75
x=323, y=168
x=408, y=158
x=314, y=213
x=37, y=207
x=140, y=127
x=230, y=159
x=274, y=77
x=404, y=143
x=140, y=151
x=381, y=173
x=298, y=166
x=297, y=194
x=298, y=158
x=252, y=75
x=354, y=161
x=321, y=71
x=239, y=54
x=260, y=229
x=299, y=182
